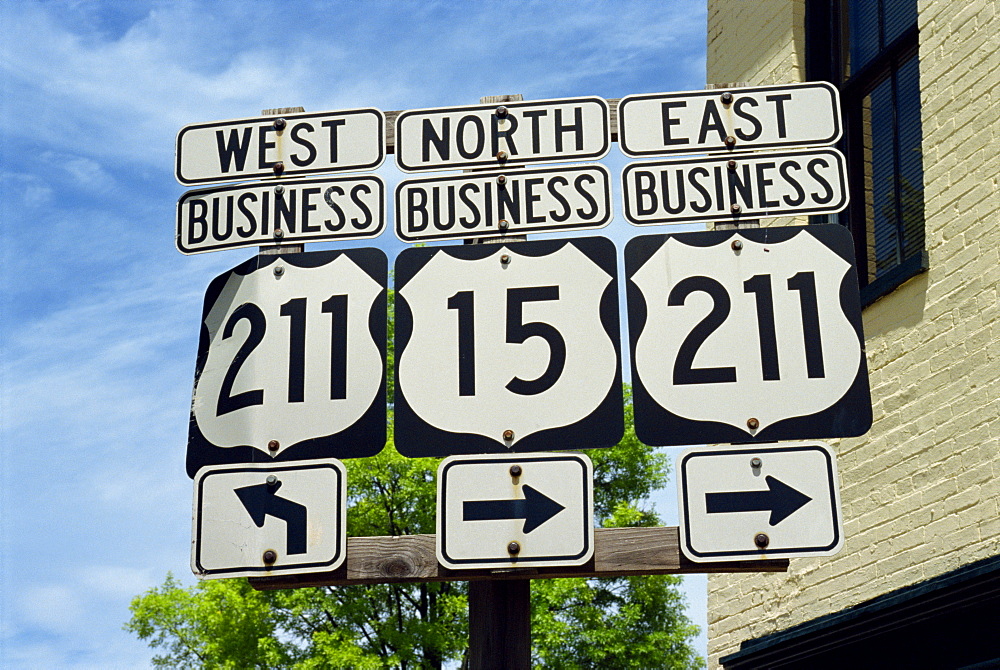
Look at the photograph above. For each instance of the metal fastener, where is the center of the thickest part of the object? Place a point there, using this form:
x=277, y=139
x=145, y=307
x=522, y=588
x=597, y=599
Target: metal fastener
x=508, y=435
x=502, y=179
x=730, y=141
x=278, y=271
x=504, y=260
x=736, y=209
x=731, y=165
x=270, y=556
x=272, y=480
x=761, y=540
x=279, y=167
x=513, y=547
x=501, y=155
x=515, y=470
x=755, y=462
x=503, y=224
x=736, y=245
x=501, y=111
x=279, y=233
x=279, y=124
x=273, y=445
x=727, y=98
x=279, y=190
x=753, y=423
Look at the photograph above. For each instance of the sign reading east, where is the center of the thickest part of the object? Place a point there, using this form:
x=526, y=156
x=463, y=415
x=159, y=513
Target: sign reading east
x=507, y=348
x=290, y=145
x=749, y=335
x=281, y=212
x=291, y=360
x=510, y=133
x=761, y=501
x=256, y=520
x=740, y=186
x=789, y=115
x=513, y=511
x=497, y=203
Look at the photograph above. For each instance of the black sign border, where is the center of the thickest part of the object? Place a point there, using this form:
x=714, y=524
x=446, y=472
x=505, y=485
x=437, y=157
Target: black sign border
x=850, y=416
x=604, y=427
x=366, y=437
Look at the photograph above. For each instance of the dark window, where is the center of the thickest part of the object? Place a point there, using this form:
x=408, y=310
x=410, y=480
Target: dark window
x=868, y=49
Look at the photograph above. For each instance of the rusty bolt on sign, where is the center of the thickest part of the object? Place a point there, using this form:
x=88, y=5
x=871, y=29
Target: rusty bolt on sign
x=273, y=445
x=508, y=435
x=279, y=124
x=753, y=423
x=761, y=540
x=755, y=462
x=513, y=547
x=736, y=245
x=515, y=470
x=727, y=98
x=270, y=556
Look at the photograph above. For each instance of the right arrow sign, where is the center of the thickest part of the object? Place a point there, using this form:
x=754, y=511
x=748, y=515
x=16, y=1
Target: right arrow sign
x=765, y=501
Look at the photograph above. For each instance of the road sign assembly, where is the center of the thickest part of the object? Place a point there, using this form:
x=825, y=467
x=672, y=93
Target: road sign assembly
x=281, y=212
x=507, y=348
x=748, y=335
x=291, y=360
x=513, y=133
x=741, y=119
x=514, y=511
x=572, y=197
x=736, y=187
x=760, y=501
x=290, y=145
x=267, y=519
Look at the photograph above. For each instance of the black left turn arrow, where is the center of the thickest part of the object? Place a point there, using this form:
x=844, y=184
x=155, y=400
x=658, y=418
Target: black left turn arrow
x=780, y=499
x=260, y=501
x=535, y=508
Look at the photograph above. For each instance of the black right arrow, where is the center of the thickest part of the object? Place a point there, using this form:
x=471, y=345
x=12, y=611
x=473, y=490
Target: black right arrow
x=260, y=500
x=780, y=499
x=535, y=508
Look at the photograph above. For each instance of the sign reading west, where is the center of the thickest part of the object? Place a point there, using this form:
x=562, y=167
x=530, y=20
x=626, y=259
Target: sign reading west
x=507, y=348
x=514, y=202
x=759, y=502
x=281, y=212
x=255, y=520
x=789, y=115
x=811, y=181
x=513, y=133
x=291, y=145
x=749, y=335
x=291, y=360
x=514, y=511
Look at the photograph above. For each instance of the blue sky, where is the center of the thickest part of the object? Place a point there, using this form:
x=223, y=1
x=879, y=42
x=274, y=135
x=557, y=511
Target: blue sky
x=99, y=312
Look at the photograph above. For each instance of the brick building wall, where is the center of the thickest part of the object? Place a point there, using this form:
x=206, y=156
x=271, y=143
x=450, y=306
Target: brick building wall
x=921, y=491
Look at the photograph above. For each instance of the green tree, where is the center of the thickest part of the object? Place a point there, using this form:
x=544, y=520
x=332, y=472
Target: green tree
x=576, y=623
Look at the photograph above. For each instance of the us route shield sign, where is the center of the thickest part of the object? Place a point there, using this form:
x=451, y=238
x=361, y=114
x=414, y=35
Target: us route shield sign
x=745, y=336
x=759, y=502
x=510, y=511
x=507, y=348
x=291, y=360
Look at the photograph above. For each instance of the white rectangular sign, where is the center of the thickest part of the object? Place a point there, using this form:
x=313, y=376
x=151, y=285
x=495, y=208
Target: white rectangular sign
x=511, y=133
x=760, y=501
x=258, y=520
x=503, y=203
x=515, y=511
x=280, y=212
x=286, y=146
x=760, y=117
x=732, y=188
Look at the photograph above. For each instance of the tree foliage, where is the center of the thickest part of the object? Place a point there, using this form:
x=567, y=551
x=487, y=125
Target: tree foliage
x=576, y=623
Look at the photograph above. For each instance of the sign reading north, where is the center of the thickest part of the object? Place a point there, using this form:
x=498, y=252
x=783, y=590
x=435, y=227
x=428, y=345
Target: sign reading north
x=255, y=520
x=741, y=186
x=510, y=133
x=290, y=145
x=759, y=502
x=749, y=335
x=291, y=360
x=761, y=117
x=514, y=202
x=507, y=348
x=281, y=212
x=515, y=511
